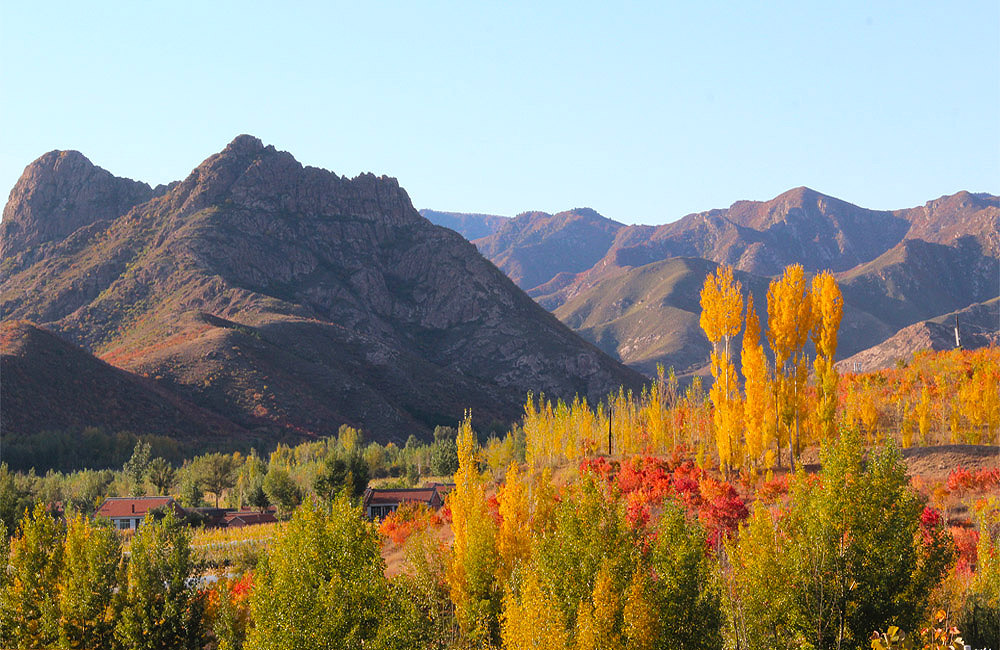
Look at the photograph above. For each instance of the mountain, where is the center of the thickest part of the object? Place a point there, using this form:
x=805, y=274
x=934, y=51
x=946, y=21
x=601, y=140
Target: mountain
x=979, y=326
x=534, y=247
x=51, y=384
x=288, y=299
x=896, y=268
x=470, y=226
x=649, y=315
x=59, y=193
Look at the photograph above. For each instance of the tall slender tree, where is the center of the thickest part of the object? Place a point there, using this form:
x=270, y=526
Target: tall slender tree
x=721, y=319
x=828, y=309
x=789, y=320
x=757, y=389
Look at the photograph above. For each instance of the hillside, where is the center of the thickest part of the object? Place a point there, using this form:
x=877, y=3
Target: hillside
x=896, y=268
x=533, y=247
x=51, y=384
x=979, y=325
x=289, y=299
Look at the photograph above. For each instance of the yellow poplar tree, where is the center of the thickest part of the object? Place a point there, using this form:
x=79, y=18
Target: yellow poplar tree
x=924, y=414
x=756, y=388
x=789, y=320
x=828, y=310
x=642, y=627
x=533, y=622
x=721, y=319
x=473, y=570
x=514, y=534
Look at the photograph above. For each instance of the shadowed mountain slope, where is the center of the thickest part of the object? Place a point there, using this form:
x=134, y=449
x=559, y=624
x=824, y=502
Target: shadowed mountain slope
x=290, y=299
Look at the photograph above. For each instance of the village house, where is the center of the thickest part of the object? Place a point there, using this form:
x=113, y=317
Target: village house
x=128, y=513
x=378, y=503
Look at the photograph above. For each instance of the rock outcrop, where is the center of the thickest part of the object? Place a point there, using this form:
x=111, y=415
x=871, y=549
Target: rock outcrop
x=290, y=299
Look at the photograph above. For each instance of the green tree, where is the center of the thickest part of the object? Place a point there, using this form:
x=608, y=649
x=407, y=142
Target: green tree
x=322, y=583
x=444, y=452
x=161, y=608
x=336, y=474
x=135, y=468
x=685, y=594
x=161, y=475
x=590, y=532
x=29, y=604
x=88, y=601
x=15, y=498
x=849, y=558
x=281, y=489
x=217, y=472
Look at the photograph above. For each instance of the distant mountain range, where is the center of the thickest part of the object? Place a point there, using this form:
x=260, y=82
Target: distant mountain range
x=258, y=297
x=637, y=297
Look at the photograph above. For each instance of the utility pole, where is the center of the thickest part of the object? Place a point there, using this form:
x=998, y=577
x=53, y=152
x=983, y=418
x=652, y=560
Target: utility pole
x=611, y=411
x=958, y=336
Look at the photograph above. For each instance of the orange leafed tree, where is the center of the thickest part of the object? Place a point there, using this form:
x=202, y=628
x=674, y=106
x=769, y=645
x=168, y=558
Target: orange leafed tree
x=789, y=320
x=828, y=309
x=756, y=388
x=721, y=319
x=473, y=570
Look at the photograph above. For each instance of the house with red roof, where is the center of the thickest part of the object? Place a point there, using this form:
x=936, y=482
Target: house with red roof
x=128, y=513
x=378, y=503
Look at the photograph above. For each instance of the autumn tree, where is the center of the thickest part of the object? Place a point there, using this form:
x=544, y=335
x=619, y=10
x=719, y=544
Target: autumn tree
x=721, y=319
x=29, y=603
x=757, y=388
x=322, y=585
x=789, y=321
x=89, y=602
x=828, y=309
x=472, y=575
x=161, y=609
x=530, y=620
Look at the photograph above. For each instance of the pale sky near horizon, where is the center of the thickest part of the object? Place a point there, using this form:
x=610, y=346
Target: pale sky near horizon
x=643, y=111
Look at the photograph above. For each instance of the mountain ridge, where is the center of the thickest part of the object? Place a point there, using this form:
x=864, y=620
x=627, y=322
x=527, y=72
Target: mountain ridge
x=290, y=298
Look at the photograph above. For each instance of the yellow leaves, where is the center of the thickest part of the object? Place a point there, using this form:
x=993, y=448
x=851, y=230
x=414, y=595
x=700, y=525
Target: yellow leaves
x=514, y=535
x=721, y=305
x=641, y=625
x=472, y=574
x=757, y=388
x=533, y=621
x=789, y=313
x=721, y=318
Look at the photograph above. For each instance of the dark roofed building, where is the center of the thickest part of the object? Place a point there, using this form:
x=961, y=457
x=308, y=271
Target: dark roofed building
x=379, y=503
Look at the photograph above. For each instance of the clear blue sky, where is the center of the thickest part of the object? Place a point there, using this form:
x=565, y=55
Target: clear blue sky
x=643, y=111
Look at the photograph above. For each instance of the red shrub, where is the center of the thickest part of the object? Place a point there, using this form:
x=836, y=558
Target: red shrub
x=406, y=520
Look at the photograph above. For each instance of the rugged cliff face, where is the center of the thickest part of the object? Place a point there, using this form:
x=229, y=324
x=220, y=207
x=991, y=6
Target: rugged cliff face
x=60, y=193
x=290, y=298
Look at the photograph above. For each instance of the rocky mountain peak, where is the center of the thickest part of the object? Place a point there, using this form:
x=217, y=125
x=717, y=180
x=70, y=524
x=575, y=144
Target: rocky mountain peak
x=248, y=175
x=59, y=193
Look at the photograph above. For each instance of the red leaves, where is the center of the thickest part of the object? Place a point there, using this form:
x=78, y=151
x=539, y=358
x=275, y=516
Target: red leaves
x=406, y=520
x=722, y=509
x=645, y=481
x=962, y=480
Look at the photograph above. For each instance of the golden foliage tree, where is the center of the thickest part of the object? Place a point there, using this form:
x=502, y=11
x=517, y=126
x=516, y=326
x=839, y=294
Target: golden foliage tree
x=757, y=389
x=473, y=570
x=789, y=320
x=721, y=319
x=828, y=310
x=532, y=622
